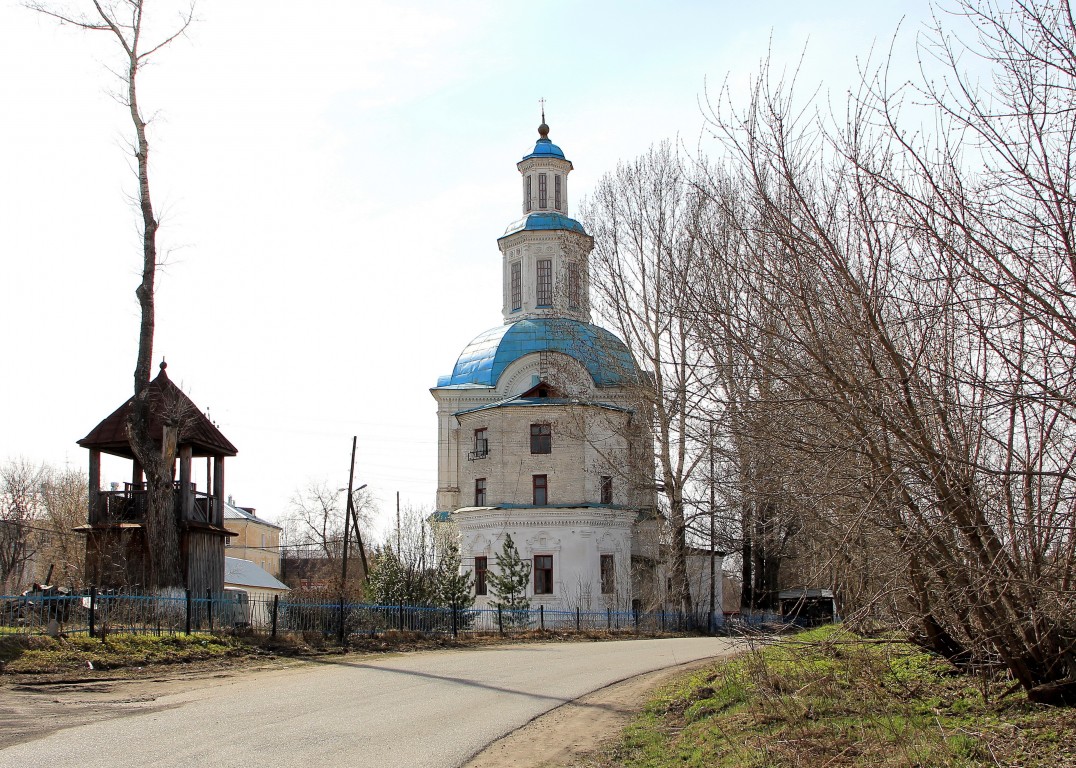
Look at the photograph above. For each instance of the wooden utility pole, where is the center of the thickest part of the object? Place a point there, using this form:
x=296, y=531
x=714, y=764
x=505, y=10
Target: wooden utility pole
x=347, y=516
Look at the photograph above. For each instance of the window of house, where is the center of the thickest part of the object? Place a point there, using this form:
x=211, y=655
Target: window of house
x=545, y=283
x=543, y=191
x=480, y=568
x=480, y=492
x=556, y=192
x=607, y=489
x=527, y=195
x=608, y=574
x=543, y=574
x=541, y=490
x=517, y=286
x=541, y=438
x=574, y=294
x=481, y=442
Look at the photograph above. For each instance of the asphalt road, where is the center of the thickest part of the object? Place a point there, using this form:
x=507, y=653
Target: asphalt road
x=432, y=709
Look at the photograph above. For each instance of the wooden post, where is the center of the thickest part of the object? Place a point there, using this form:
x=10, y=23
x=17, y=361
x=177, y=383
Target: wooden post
x=341, y=630
x=500, y=620
x=95, y=485
x=189, y=606
x=93, y=611
x=186, y=500
x=209, y=607
x=577, y=618
x=217, y=518
x=455, y=624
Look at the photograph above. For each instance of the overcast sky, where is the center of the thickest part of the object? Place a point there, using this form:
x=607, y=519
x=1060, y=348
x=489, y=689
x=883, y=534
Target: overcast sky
x=332, y=177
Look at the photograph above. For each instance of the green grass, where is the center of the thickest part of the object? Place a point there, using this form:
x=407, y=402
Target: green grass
x=36, y=654
x=827, y=698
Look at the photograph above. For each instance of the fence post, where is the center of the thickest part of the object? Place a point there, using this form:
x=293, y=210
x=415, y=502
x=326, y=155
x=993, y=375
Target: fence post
x=209, y=607
x=276, y=608
x=577, y=618
x=663, y=619
x=188, y=624
x=608, y=618
x=93, y=611
x=500, y=620
x=455, y=624
x=340, y=624
x=541, y=618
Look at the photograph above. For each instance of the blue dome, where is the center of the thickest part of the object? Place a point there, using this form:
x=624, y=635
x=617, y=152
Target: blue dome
x=545, y=148
x=544, y=220
x=483, y=361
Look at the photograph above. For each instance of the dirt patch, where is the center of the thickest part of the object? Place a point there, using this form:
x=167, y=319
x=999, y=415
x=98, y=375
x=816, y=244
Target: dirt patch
x=568, y=734
x=33, y=706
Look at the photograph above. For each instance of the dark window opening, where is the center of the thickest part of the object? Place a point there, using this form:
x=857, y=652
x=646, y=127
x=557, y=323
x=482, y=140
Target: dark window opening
x=545, y=283
x=541, y=490
x=517, y=286
x=608, y=574
x=541, y=438
x=543, y=574
x=480, y=492
x=607, y=489
x=480, y=568
x=528, y=196
x=481, y=442
x=543, y=192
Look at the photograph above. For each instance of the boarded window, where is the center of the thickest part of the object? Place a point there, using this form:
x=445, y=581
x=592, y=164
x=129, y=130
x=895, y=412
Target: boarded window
x=480, y=568
x=574, y=293
x=543, y=574
x=545, y=283
x=608, y=574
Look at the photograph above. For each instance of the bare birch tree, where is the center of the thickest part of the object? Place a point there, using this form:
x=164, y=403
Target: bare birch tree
x=125, y=22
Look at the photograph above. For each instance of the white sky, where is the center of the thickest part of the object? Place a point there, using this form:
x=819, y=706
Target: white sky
x=332, y=177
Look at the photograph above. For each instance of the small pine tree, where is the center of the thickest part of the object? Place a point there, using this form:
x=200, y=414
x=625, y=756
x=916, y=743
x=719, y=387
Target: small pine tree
x=454, y=588
x=509, y=583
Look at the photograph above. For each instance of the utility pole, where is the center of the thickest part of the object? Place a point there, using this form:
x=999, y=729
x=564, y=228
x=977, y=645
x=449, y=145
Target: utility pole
x=347, y=516
x=713, y=530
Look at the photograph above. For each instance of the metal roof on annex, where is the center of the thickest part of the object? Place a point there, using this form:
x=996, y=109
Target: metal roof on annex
x=482, y=362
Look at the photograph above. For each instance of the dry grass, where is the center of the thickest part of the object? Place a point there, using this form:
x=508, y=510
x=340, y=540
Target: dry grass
x=827, y=698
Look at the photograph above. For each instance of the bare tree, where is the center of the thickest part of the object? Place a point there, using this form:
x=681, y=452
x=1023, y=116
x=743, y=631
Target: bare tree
x=125, y=22
x=642, y=219
x=313, y=532
x=21, y=506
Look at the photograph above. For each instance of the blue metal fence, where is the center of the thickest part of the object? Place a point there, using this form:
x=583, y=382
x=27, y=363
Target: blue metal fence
x=99, y=613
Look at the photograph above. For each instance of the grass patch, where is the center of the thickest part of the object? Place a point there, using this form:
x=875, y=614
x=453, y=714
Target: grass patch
x=829, y=698
x=20, y=654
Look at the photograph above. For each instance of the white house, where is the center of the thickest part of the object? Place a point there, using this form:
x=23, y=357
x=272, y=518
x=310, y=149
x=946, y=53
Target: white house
x=538, y=436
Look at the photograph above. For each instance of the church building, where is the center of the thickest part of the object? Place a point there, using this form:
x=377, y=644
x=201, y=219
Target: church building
x=537, y=429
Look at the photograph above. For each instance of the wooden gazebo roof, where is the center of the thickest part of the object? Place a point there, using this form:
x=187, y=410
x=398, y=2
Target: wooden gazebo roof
x=196, y=430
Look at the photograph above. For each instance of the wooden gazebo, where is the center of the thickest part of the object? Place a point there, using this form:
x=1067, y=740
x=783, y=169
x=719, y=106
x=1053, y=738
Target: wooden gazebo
x=116, y=554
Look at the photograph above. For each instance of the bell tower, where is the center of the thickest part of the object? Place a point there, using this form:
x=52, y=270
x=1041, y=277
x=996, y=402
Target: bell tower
x=545, y=253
